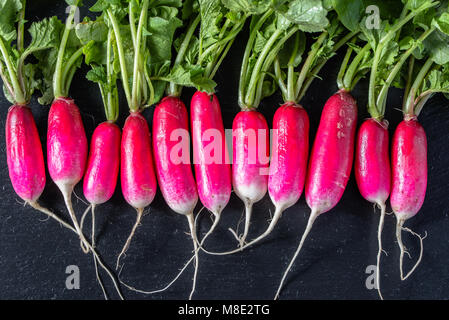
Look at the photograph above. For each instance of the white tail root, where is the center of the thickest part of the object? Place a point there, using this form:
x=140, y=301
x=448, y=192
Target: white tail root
x=379, y=242
x=399, y=228
x=130, y=237
x=313, y=215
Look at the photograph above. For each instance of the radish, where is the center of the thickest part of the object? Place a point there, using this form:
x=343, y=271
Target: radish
x=409, y=148
x=372, y=165
x=330, y=161
x=24, y=154
x=101, y=174
x=175, y=177
x=290, y=148
x=409, y=163
x=23, y=147
x=212, y=171
x=137, y=171
x=66, y=138
x=138, y=178
x=24, y=150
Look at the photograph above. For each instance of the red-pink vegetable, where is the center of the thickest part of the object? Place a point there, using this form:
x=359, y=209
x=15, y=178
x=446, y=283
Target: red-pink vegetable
x=373, y=173
x=409, y=166
x=171, y=145
x=66, y=145
x=24, y=154
x=138, y=180
x=332, y=153
x=66, y=151
x=250, y=164
x=289, y=156
x=103, y=163
x=210, y=153
x=330, y=161
x=372, y=161
x=409, y=163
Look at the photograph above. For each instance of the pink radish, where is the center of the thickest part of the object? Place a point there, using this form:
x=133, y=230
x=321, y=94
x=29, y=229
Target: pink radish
x=66, y=150
x=250, y=161
x=103, y=164
x=138, y=179
x=171, y=151
x=210, y=154
x=409, y=164
x=372, y=171
x=288, y=165
x=24, y=154
x=330, y=161
x=289, y=157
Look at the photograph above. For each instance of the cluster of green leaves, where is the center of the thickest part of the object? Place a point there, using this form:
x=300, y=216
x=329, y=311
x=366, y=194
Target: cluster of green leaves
x=270, y=32
x=143, y=36
x=100, y=52
x=20, y=77
x=212, y=29
x=398, y=37
x=294, y=82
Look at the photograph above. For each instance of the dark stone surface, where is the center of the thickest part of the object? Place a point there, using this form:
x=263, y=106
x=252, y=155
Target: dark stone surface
x=35, y=252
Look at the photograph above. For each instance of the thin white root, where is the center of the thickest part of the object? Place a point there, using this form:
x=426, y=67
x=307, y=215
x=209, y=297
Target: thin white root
x=191, y=220
x=97, y=274
x=67, y=193
x=50, y=214
x=242, y=238
x=399, y=228
x=36, y=206
x=199, y=244
x=313, y=215
x=277, y=215
x=128, y=241
x=248, y=211
x=379, y=241
x=83, y=217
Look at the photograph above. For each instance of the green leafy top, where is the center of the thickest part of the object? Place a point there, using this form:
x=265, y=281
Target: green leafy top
x=392, y=44
x=143, y=33
x=67, y=57
x=269, y=34
x=200, y=53
x=100, y=51
x=433, y=76
x=21, y=78
x=321, y=50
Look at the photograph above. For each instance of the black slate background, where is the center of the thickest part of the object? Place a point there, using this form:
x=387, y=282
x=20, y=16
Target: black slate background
x=34, y=252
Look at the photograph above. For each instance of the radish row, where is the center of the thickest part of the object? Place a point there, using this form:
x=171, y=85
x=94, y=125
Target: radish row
x=136, y=48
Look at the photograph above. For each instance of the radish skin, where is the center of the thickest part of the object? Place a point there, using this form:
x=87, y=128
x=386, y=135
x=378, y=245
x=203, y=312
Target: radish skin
x=289, y=157
x=176, y=180
x=212, y=172
x=138, y=179
x=212, y=168
x=103, y=164
x=409, y=166
x=330, y=161
x=288, y=165
x=66, y=151
x=24, y=154
x=175, y=175
x=249, y=169
x=373, y=172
